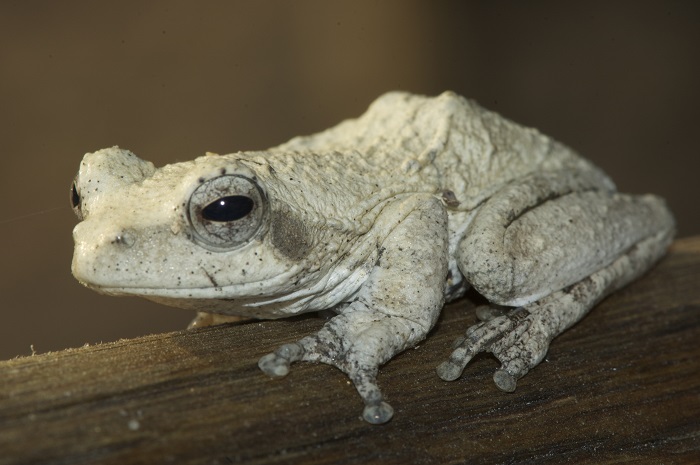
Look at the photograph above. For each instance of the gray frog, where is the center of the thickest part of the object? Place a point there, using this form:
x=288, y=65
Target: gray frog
x=383, y=219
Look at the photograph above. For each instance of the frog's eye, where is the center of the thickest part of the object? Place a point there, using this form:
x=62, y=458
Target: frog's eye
x=75, y=200
x=230, y=208
x=226, y=212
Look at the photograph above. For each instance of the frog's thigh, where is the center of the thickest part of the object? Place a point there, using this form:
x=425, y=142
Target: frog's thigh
x=541, y=249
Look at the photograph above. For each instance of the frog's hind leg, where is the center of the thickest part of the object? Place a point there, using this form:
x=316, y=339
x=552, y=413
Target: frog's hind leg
x=553, y=260
x=520, y=338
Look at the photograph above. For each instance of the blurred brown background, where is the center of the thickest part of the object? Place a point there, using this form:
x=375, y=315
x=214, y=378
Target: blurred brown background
x=170, y=80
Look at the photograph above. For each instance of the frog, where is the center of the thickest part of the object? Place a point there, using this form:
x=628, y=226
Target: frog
x=379, y=220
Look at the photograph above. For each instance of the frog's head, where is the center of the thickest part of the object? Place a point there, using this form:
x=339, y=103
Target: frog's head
x=197, y=234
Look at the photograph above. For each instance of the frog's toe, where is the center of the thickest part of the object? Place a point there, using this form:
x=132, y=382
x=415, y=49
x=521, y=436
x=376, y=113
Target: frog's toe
x=503, y=336
x=507, y=376
x=452, y=368
x=519, y=357
x=378, y=414
x=478, y=338
x=277, y=363
x=505, y=380
x=376, y=411
x=515, y=364
x=273, y=365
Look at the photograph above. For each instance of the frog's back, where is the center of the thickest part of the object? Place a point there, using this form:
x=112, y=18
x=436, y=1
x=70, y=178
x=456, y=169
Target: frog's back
x=442, y=143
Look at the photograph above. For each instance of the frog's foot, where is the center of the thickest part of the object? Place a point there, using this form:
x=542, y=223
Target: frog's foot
x=376, y=411
x=357, y=344
x=517, y=339
x=363, y=376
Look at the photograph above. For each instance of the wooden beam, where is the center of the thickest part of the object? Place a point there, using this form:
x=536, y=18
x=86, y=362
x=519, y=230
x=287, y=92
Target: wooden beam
x=621, y=386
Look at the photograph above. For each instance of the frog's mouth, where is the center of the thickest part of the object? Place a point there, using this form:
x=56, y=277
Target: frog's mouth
x=252, y=308
x=272, y=298
x=226, y=301
x=250, y=292
x=160, y=276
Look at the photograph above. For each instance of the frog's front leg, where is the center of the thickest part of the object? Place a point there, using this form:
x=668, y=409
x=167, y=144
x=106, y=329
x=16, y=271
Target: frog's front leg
x=552, y=246
x=394, y=310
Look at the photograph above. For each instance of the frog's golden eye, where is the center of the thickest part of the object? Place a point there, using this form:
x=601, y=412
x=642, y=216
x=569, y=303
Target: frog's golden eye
x=226, y=212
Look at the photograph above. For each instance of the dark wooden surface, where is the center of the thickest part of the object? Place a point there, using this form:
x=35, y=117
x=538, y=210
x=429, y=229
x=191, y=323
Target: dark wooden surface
x=622, y=386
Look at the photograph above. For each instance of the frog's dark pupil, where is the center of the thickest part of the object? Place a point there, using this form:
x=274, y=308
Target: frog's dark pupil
x=231, y=208
x=74, y=196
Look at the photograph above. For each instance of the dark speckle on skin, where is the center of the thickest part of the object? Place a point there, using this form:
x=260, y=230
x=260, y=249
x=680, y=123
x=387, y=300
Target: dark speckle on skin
x=450, y=199
x=380, y=252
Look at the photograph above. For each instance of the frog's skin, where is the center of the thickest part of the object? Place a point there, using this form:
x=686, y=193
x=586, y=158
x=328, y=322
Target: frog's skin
x=382, y=219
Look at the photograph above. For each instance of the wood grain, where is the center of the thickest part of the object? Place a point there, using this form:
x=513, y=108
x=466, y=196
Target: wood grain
x=621, y=386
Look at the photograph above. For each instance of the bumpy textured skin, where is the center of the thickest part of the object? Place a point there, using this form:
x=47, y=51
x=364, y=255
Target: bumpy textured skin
x=381, y=218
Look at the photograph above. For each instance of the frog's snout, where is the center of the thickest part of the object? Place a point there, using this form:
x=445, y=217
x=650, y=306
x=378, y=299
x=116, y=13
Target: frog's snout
x=98, y=253
x=85, y=233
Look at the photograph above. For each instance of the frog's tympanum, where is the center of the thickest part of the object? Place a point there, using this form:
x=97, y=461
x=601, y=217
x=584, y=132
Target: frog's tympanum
x=381, y=219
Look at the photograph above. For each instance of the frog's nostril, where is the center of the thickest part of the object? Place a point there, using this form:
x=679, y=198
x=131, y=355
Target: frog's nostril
x=125, y=238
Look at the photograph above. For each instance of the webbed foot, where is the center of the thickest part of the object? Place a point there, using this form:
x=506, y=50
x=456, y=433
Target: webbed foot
x=361, y=367
x=517, y=339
